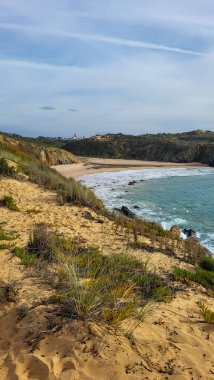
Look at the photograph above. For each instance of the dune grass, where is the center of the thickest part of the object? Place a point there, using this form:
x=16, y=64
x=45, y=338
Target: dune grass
x=90, y=285
x=206, y=312
x=69, y=190
x=200, y=276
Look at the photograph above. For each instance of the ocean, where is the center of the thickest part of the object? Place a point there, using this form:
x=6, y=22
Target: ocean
x=184, y=197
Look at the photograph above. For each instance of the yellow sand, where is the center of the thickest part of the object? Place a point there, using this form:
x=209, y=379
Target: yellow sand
x=173, y=343
x=99, y=165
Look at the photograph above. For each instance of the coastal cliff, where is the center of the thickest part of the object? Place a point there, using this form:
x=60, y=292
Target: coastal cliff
x=196, y=146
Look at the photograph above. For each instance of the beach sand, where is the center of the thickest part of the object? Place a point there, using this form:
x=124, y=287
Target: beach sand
x=173, y=343
x=100, y=165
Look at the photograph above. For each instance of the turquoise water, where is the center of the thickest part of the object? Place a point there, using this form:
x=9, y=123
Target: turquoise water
x=184, y=197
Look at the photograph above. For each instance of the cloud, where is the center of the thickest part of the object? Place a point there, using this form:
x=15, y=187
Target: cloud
x=100, y=39
x=47, y=108
x=132, y=67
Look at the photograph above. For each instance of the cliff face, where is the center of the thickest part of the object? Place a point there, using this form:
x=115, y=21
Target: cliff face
x=47, y=155
x=196, y=146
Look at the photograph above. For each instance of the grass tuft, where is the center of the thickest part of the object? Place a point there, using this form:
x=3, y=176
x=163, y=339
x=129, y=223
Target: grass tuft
x=207, y=313
x=9, y=202
x=27, y=259
x=5, y=169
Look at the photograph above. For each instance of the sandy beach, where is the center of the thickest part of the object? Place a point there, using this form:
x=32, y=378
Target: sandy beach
x=100, y=165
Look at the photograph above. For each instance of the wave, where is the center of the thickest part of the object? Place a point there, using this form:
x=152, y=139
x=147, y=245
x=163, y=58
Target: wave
x=114, y=190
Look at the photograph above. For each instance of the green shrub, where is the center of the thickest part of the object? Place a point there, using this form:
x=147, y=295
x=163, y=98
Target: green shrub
x=162, y=294
x=207, y=263
x=27, y=259
x=201, y=276
x=5, y=169
x=10, y=203
x=6, y=246
x=4, y=236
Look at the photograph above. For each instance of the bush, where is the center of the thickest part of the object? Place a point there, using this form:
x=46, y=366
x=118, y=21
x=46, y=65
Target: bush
x=10, y=203
x=207, y=263
x=5, y=169
x=27, y=259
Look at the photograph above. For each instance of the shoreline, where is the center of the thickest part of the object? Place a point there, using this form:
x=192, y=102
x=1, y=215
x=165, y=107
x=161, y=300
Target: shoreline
x=88, y=166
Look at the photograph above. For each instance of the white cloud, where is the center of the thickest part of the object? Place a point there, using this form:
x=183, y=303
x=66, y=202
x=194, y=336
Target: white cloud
x=99, y=38
x=150, y=93
x=140, y=87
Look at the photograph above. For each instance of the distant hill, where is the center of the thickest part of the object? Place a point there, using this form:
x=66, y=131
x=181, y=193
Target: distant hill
x=31, y=149
x=194, y=146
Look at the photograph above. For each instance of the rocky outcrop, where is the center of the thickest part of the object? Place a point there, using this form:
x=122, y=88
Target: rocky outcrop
x=56, y=156
x=47, y=155
x=126, y=212
x=175, y=232
x=189, y=233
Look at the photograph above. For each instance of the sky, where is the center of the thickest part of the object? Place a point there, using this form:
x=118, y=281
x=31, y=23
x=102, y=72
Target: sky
x=93, y=66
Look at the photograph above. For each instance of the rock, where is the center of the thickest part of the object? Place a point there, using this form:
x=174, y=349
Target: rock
x=126, y=212
x=136, y=207
x=175, y=231
x=131, y=183
x=189, y=233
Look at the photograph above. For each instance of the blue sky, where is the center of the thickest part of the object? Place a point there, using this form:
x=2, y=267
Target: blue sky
x=95, y=66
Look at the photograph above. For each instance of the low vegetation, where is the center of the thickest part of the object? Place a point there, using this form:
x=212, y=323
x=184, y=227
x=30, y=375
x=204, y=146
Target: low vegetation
x=200, y=276
x=9, y=202
x=7, y=236
x=90, y=285
x=5, y=169
x=69, y=190
x=27, y=259
x=207, y=313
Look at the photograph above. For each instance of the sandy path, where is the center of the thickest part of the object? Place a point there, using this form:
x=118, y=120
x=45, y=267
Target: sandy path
x=101, y=165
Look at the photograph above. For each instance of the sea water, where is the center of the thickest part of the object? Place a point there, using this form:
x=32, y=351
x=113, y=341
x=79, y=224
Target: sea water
x=183, y=197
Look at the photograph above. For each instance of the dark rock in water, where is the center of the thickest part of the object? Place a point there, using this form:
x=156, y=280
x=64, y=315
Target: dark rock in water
x=175, y=231
x=189, y=233
x=136, y=207
x=126, y=212
x=131, y=183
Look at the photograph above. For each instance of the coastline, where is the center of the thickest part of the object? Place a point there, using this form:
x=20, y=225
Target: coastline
x=88, y=165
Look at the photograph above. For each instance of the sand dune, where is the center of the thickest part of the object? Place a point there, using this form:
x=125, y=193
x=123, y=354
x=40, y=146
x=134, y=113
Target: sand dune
x=173, y=343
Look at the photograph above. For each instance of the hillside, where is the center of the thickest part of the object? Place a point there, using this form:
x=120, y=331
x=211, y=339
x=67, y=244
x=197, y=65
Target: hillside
x=42, y=152
x=196, y=146
x=87, y=294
